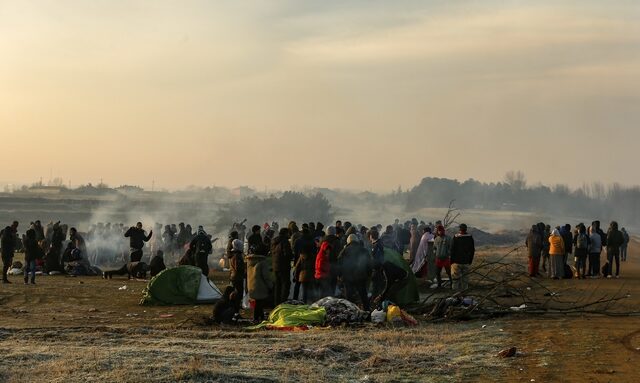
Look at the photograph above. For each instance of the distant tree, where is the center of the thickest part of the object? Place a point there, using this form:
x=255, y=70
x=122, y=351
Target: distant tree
x=515, y=179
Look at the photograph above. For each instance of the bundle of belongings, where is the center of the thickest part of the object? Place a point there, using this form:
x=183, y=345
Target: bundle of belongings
x=291, y=317
x=341, y=311
x=16, y=268
x=390, y=313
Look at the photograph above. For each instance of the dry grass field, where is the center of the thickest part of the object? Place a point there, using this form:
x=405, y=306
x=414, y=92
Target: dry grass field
x=68, y=329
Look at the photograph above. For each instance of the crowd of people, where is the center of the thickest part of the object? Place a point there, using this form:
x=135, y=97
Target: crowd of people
x=554, y=247
x=316, y=261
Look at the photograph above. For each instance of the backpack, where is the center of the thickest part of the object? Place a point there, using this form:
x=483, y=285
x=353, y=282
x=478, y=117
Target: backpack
x=582, y=242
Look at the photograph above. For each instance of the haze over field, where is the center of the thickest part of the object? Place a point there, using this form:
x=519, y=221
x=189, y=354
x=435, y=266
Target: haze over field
x=284, y=93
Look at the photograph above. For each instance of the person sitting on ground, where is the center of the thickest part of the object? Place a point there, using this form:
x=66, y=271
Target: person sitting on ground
x=225, y=309
x=137, y=270
x=157, y=264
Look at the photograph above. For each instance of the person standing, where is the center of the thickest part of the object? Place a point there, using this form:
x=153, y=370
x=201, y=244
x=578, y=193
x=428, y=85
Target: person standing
x=462, y=251
x=281, y=257
x=442, y=250
x=355, y=267
x=534, y=248
x=31, y=252
x=581, y=246
x=615, y=240
x=556, y=254
x=259, y=282
x=323, y=270
x=377, y=258
x=137, y=238
x=237, y=268
x=625, y=245
x=595, y=249
x=8, y=243
x=200, y=247
x=567, y=237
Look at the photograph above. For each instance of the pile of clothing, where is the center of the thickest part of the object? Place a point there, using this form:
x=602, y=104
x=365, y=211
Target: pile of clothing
x=341, y=311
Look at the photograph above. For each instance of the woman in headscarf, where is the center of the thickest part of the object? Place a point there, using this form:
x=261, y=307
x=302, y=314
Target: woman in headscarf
x=556, y=254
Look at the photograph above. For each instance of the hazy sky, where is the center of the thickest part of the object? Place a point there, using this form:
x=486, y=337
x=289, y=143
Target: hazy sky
x=352, y=94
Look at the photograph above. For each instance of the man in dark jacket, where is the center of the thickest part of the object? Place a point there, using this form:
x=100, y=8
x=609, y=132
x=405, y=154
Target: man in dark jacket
x=462, y=251
x=355, y=266
x=238, y=271
x=615, y=240
x=567, y=238
x=377, y=259
x=255, y=241
x=281, y=257
x=137, y=238
x=534, y=247
x=8, y=243
x=201, y=247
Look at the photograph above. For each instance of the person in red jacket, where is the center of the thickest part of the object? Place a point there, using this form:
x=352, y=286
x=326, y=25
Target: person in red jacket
x=323, y=269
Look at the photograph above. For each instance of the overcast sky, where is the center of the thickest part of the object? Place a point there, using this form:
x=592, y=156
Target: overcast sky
x=350, y=94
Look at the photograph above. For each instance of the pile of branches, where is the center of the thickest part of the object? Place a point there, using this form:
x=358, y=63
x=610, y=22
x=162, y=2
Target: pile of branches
x=502, y=287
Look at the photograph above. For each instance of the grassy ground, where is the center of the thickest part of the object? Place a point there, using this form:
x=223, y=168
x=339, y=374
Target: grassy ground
x=68, y=329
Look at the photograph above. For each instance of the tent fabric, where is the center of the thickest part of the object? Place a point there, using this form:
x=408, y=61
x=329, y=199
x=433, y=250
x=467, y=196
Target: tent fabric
x=182, y=285
x=293, y=316
x=409, y=293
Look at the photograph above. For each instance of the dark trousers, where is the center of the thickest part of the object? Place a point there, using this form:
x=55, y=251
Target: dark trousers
x=6, y=265
x=353, y=289
x=282, y=286
x=308, y=289
x=136, y=255
x=610, y=256
x=377, y=282
x=296, y=290
x=594, y=264
x=30, y=268
x=202, y=261
x=581, y=265
x=324, y=287
x=534, y=266
x=239, y=287
x=258, y=311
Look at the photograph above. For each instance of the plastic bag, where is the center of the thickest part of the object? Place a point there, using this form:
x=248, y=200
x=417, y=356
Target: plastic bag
x=245, y=302
x=394, y=313
x=378, y=316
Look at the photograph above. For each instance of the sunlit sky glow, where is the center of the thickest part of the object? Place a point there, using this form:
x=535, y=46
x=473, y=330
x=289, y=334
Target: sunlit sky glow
x=349, y=94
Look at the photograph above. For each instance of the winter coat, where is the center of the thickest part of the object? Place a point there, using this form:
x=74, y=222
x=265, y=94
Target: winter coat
x=442, y=247
x=556, y=245
x=306, y=262
x=236, y=264
x=355, y=263
x=8, y=242
x=281, y=254
x=323, y=263
x=259, y=281
x=568, y=241
x=462, y=249
x=256, y=244
x=137, y=238
x=578, y=251
x=201, y=244
x=31, y=250
x=595, y=243
x=615, y=240
x=534, y=244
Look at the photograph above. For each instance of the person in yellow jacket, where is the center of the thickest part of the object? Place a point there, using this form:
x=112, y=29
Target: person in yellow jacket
x=556, y=253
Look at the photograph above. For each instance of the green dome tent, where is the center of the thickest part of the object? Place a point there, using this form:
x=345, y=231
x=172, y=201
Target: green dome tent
x=182, y=285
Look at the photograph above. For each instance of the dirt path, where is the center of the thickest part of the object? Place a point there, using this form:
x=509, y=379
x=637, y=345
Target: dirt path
x=87, y=329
